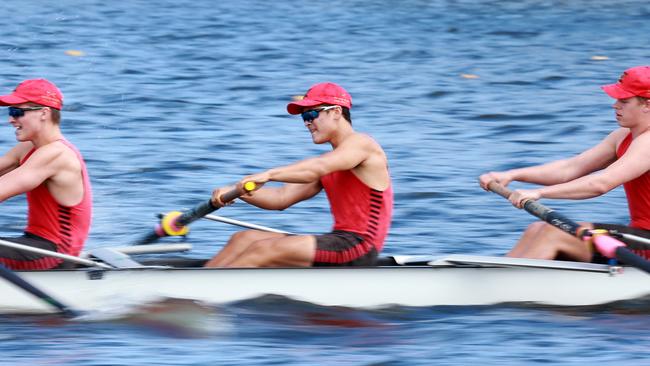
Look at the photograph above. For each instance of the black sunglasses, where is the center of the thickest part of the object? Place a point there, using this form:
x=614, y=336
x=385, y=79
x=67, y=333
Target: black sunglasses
x=16, y=112
x=312, y=114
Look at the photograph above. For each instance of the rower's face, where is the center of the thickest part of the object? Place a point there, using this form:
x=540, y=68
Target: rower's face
x=322, y=125
x=26, y=119
x=631, y=111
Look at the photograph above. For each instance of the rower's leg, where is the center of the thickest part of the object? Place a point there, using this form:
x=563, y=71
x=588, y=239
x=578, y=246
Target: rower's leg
x=543, y=241
x=287, y=251
x=237, y=244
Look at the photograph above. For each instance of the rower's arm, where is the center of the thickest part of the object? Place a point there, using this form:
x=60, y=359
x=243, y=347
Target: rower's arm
x=280, y=198
x=634, y=163
x=11, y=160
x=561, y=171
x=302, y=179
x=352, y=152
x=43, y=164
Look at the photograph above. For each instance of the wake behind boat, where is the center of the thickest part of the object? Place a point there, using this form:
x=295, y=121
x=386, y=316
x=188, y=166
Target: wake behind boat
x=455, y=280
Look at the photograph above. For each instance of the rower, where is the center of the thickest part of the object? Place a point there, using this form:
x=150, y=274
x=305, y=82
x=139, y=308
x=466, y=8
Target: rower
x=355, y=177
x=51, y=171
x=621, y=159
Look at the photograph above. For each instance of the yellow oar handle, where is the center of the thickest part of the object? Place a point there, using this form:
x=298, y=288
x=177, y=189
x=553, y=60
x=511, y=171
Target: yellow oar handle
x=250, y=186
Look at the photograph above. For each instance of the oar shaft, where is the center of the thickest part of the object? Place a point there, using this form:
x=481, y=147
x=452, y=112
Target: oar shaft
x=205, y=208
x=10, y=276
x=49, y=253
x=632, y=237
x=175, y=223
x=539, y=210
x=627, y=256
x=535, y=208
x=244, y=224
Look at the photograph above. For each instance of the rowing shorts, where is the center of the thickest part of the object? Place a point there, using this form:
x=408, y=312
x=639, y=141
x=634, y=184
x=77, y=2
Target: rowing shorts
x=638, y=248
x=343, y=248
x=21, y=259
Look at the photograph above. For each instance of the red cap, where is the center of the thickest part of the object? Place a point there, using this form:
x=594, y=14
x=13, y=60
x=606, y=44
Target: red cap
x=634, y=82
x=39, y=91
x=323, y=93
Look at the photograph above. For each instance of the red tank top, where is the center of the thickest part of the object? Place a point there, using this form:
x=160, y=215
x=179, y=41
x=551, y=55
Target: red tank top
x=66, y=226
x=638, y=193
x=358, y=208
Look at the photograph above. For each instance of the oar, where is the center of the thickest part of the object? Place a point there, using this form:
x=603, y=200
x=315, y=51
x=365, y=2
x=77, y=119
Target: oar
x=175, y=223
x=49, y=253
x=245, y=224
x=10, y=276
x=606, y=245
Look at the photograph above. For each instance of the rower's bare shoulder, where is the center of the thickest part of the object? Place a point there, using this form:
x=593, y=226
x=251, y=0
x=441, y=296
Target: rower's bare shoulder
x=365, y=141
x=620, y=133
x=20, y=150
x=58, y=154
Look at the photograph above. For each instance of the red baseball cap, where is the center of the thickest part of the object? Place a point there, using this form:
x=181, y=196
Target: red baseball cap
x=39, y=91
x=323, y=93
x=634, y=82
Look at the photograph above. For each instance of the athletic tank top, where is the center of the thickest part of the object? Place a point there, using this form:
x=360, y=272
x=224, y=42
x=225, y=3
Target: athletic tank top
x=65, y=226
x=638, y=193
x=358, y=208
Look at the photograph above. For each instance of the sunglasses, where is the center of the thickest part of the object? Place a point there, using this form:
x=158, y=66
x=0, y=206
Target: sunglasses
x=312, y=114
x=16, y=112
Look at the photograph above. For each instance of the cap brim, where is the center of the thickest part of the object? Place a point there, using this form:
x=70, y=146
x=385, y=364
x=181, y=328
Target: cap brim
x=297, y=106
x=616, y=92
x=11, y=99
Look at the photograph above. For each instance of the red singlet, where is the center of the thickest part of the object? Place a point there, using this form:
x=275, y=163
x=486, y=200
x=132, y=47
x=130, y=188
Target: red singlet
x=65, y=226
x=638, y=193
x=358, y=208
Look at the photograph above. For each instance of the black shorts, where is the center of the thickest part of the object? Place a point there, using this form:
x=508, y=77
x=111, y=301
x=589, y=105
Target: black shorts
x=636, y=247
x=23, y=256
x=343, y=248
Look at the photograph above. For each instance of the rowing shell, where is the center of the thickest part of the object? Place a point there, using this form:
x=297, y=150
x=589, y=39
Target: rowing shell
x=453, y=280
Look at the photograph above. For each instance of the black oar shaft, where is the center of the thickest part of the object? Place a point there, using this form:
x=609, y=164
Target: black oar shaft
x=194, y=214
x=10, y=276
x=627, y=256
x=205, y=208
x=538, y=210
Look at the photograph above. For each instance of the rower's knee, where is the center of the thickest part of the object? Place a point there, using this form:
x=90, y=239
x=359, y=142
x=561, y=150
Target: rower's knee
x=537, y=227
x=245, y=236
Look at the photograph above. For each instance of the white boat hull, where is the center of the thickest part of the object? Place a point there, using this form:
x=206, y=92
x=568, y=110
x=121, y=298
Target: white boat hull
x=456, y=280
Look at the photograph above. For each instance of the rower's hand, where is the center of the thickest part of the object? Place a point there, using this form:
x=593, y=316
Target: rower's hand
x=259, y=179
x=519, y=197
x=502, y=178
x=216, y=197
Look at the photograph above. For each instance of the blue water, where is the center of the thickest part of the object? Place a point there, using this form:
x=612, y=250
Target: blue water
x=168, y=100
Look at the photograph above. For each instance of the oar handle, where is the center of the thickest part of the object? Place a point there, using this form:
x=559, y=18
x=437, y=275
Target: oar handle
x=539, y=210
x=499, y=189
